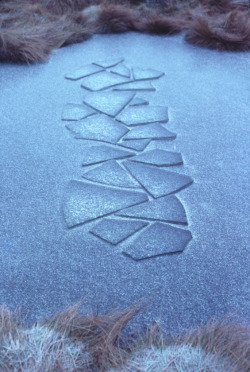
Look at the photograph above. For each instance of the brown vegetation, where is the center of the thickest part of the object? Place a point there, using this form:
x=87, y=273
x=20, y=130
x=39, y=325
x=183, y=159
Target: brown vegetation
x=31, y=29
x=70, y=341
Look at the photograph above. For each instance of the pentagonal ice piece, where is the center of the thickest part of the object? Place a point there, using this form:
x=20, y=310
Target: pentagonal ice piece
x=136, y=85
x=83, y=72
x=109, y=62
x=98, y=127
x=143, y=115
x=137, y=101
x=110, y=103
x=102, y=81
x=84, y=202
x=115, y=231
x=158, y=239
x=111, y=173
x=161, y=158
x=99, y=154
x=74, y=112
x=166, y=209
x=149, y=131
x=121, y=70
x=158, y=182
x=143, y=74
x=138, y=145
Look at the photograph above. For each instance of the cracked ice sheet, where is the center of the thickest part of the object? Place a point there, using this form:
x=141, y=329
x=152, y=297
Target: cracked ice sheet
x=157, y=240
x=158, y=182
x=99, y=128
x=166, y=209
x=98, y=154
x=110, y=103
x=143, y=115
x=84, y=71
x=84, y=202
x=103, y=80
x=115, y=231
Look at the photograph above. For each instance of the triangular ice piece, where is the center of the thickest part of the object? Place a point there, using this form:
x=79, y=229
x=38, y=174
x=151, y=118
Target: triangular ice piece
x=84, y=202
x=115, y=231
x=137, y=101
x=158, y=157
x=158, y=182
x=149, y=131
x=111, y=173
x=121, y=70
x=166, y=209
x=143, y=115
x=143, y=74
x=110, y=103
x=157, y=240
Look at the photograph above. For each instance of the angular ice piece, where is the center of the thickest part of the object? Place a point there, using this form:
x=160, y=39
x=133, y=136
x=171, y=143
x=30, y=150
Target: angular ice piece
x=84, y=71
x=144, y=74
x=98, y=127
x=115, y=231
x=143, y=115
x=157, y=240
x=74, y=112
x=149, y=131
x=99, y=154
x=161, y=158
x=111, y=173
x=109, y=62
x=157, y=182
x=110, y=103
x=136, y=85
x=138, y=145
x=138, y=102
x=102, y=81
x=84, y=202
x=121, y=70
x=166, y=209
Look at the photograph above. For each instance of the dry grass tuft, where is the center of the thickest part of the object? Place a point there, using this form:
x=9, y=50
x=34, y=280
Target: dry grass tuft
x=71, y=342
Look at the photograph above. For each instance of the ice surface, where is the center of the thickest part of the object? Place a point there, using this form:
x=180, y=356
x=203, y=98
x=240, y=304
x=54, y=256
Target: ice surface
x=98, y=154
x=143, y=114
x=74, y=112
x=152, y=131
x=159, y=157
x=102, y=81
x=84, y=71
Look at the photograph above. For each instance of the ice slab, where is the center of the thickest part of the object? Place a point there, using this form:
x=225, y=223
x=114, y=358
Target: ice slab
x=136, y=85
x=115, y=231
x=84, y=71
x=103, y=80
x=158, y=182
x=137, y=101
x=74, y=112
x=98, y=127
x=99, y=154
x=110, y=103
x=158, y=239
x=142, y=115
x=138, y=145
x=149, y=131
x=166, y=209
x=143, y=74
x=121, y=70
x=111, y=173
x=159, y=157
x=84, y=202
x=107, y=63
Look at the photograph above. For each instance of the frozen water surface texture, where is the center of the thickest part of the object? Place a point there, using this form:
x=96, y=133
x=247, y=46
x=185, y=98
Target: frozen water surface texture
x=48, y=257
x=74, y=112
x=84, y=71
x=143, y=115
x=160, y=158
x=99, y=154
